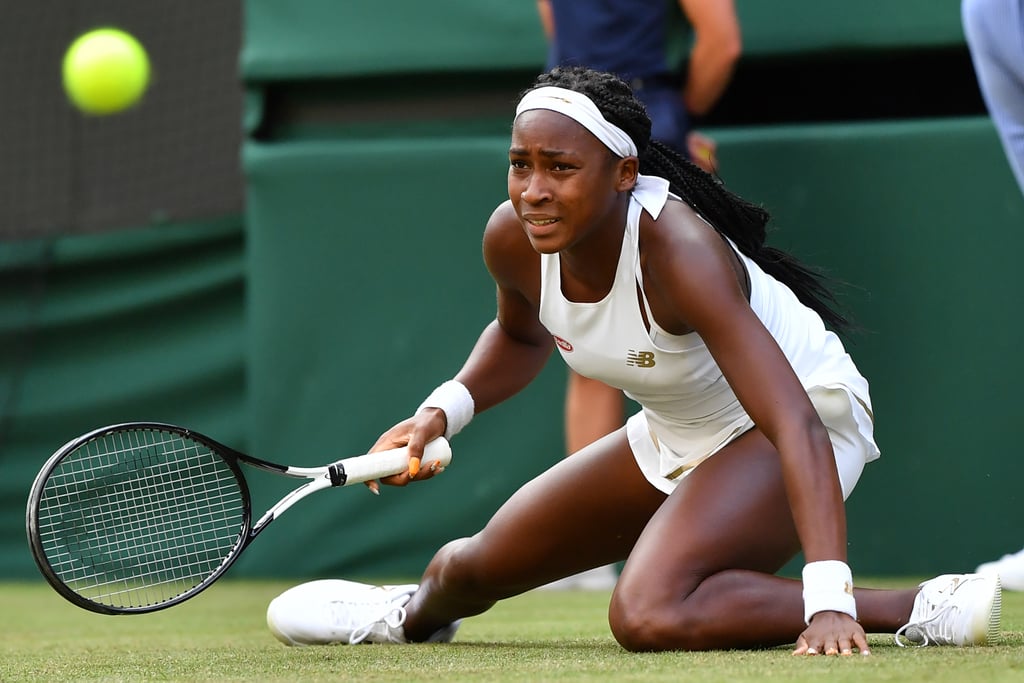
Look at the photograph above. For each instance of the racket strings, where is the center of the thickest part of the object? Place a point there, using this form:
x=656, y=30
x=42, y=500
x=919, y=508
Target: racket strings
x=140, y=517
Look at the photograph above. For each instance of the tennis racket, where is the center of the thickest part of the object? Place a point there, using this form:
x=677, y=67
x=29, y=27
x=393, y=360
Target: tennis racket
x=140, y=516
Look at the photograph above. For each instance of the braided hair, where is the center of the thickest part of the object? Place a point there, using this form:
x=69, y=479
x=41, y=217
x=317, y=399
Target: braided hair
x=741, y=221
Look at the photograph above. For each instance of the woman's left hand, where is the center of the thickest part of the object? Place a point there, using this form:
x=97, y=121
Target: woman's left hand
x=832, y=633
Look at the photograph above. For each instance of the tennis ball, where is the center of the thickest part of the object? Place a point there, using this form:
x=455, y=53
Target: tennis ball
x=105, y=71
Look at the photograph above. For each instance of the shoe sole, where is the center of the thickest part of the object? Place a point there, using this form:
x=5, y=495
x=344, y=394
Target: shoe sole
x=996, y=614
x=989, y=621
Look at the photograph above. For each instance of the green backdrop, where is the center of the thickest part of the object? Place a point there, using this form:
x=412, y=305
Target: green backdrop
x=374, y=291
x=142, y=324
x=353, y=284
x=325, y=38
x=366, y=286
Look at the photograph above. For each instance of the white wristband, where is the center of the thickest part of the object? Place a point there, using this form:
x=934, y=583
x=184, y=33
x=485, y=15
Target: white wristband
x=455, y=400
x=828, y=586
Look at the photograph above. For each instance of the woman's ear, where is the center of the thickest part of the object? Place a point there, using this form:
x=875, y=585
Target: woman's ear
x=628, y=168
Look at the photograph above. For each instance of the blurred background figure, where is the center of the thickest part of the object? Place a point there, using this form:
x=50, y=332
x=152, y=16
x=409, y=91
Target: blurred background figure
x=644, y=42
x=994, y=30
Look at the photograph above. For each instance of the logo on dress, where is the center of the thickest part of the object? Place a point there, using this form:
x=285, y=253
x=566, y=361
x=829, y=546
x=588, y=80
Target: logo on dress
x=562, y=344
x=640, y=359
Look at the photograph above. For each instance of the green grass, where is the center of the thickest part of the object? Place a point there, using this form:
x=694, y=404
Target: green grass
x=221, y=636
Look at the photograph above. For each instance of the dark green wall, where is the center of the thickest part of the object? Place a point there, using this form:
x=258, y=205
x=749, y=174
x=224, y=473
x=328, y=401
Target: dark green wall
x=367, y=289
x=353, y=284
x=325, y=38
x=142, y=324
x=924, y=220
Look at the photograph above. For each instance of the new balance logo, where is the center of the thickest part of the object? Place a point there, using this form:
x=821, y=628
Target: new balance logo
x=640, y=359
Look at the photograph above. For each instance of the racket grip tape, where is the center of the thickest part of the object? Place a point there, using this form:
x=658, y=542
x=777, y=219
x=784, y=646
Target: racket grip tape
x=385, y=463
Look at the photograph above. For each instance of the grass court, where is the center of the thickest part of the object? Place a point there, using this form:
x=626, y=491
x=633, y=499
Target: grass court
x=221, y=635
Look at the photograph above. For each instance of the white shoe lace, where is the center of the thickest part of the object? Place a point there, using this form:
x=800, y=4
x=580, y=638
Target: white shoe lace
x=939, y=614
x=938, y=628
x=361, y=618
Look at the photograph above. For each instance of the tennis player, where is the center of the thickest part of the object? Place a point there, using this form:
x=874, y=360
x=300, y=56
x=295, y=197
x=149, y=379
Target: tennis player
x=755, y=423
x=633, y=40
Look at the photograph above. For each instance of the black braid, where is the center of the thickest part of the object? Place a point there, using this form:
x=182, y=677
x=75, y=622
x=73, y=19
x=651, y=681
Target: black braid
x=741, y=221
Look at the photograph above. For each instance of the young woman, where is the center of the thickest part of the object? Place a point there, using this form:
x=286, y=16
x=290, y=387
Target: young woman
x=755, y=423
x=632, y=39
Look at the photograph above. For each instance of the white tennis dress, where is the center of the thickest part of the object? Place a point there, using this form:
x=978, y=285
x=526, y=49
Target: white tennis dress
x=689, y=411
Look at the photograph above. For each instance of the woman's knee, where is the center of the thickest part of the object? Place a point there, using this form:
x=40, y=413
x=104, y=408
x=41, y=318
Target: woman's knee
x=643, y=623
x=454, y=566
x=468, y=567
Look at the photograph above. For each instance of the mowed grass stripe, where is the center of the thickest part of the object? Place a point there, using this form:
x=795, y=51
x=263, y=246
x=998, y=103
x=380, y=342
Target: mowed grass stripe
x=221, y=636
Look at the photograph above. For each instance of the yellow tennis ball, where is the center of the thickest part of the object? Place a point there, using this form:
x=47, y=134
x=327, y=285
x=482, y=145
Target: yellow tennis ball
x=105, y=71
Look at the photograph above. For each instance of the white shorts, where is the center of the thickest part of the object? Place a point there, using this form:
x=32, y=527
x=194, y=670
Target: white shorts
x=849, y=424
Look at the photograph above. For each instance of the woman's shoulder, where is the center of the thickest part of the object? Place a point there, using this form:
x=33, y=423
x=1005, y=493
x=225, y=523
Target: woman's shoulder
x=677, y=227
x=681, y=249
x=503, y=230
x=503, y=217
x=507, y=250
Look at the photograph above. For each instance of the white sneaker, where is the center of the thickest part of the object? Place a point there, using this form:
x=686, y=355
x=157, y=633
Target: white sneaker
x=955, y=609
x=332, y=611
x=1010, y=569
x=596, y=579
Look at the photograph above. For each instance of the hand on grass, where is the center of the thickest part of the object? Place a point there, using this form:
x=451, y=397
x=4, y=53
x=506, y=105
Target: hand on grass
x=832, y=633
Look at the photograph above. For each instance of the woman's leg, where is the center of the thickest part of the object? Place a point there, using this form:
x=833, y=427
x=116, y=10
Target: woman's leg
x=592, y=410
x=584, y=512
x=701, y=575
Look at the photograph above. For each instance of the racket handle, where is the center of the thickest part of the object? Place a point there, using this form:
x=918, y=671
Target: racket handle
x=385, y=463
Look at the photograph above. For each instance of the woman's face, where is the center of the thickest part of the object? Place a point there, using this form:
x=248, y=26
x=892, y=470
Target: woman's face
x=562, y=180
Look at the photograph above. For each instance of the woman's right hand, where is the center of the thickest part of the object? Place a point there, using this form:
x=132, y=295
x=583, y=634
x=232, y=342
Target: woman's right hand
x=414, y=433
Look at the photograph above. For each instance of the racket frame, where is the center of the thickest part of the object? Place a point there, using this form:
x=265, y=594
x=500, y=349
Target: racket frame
x=344, y=472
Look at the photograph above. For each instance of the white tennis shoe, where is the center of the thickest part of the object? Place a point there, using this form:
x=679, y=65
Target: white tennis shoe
x=955, y=609
x=1010, y=569
x=333, y=611
x=596, y=579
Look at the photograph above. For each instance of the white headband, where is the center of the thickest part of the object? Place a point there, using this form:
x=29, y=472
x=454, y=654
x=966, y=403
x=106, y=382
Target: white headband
x=581, y=109
x=650, y=191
